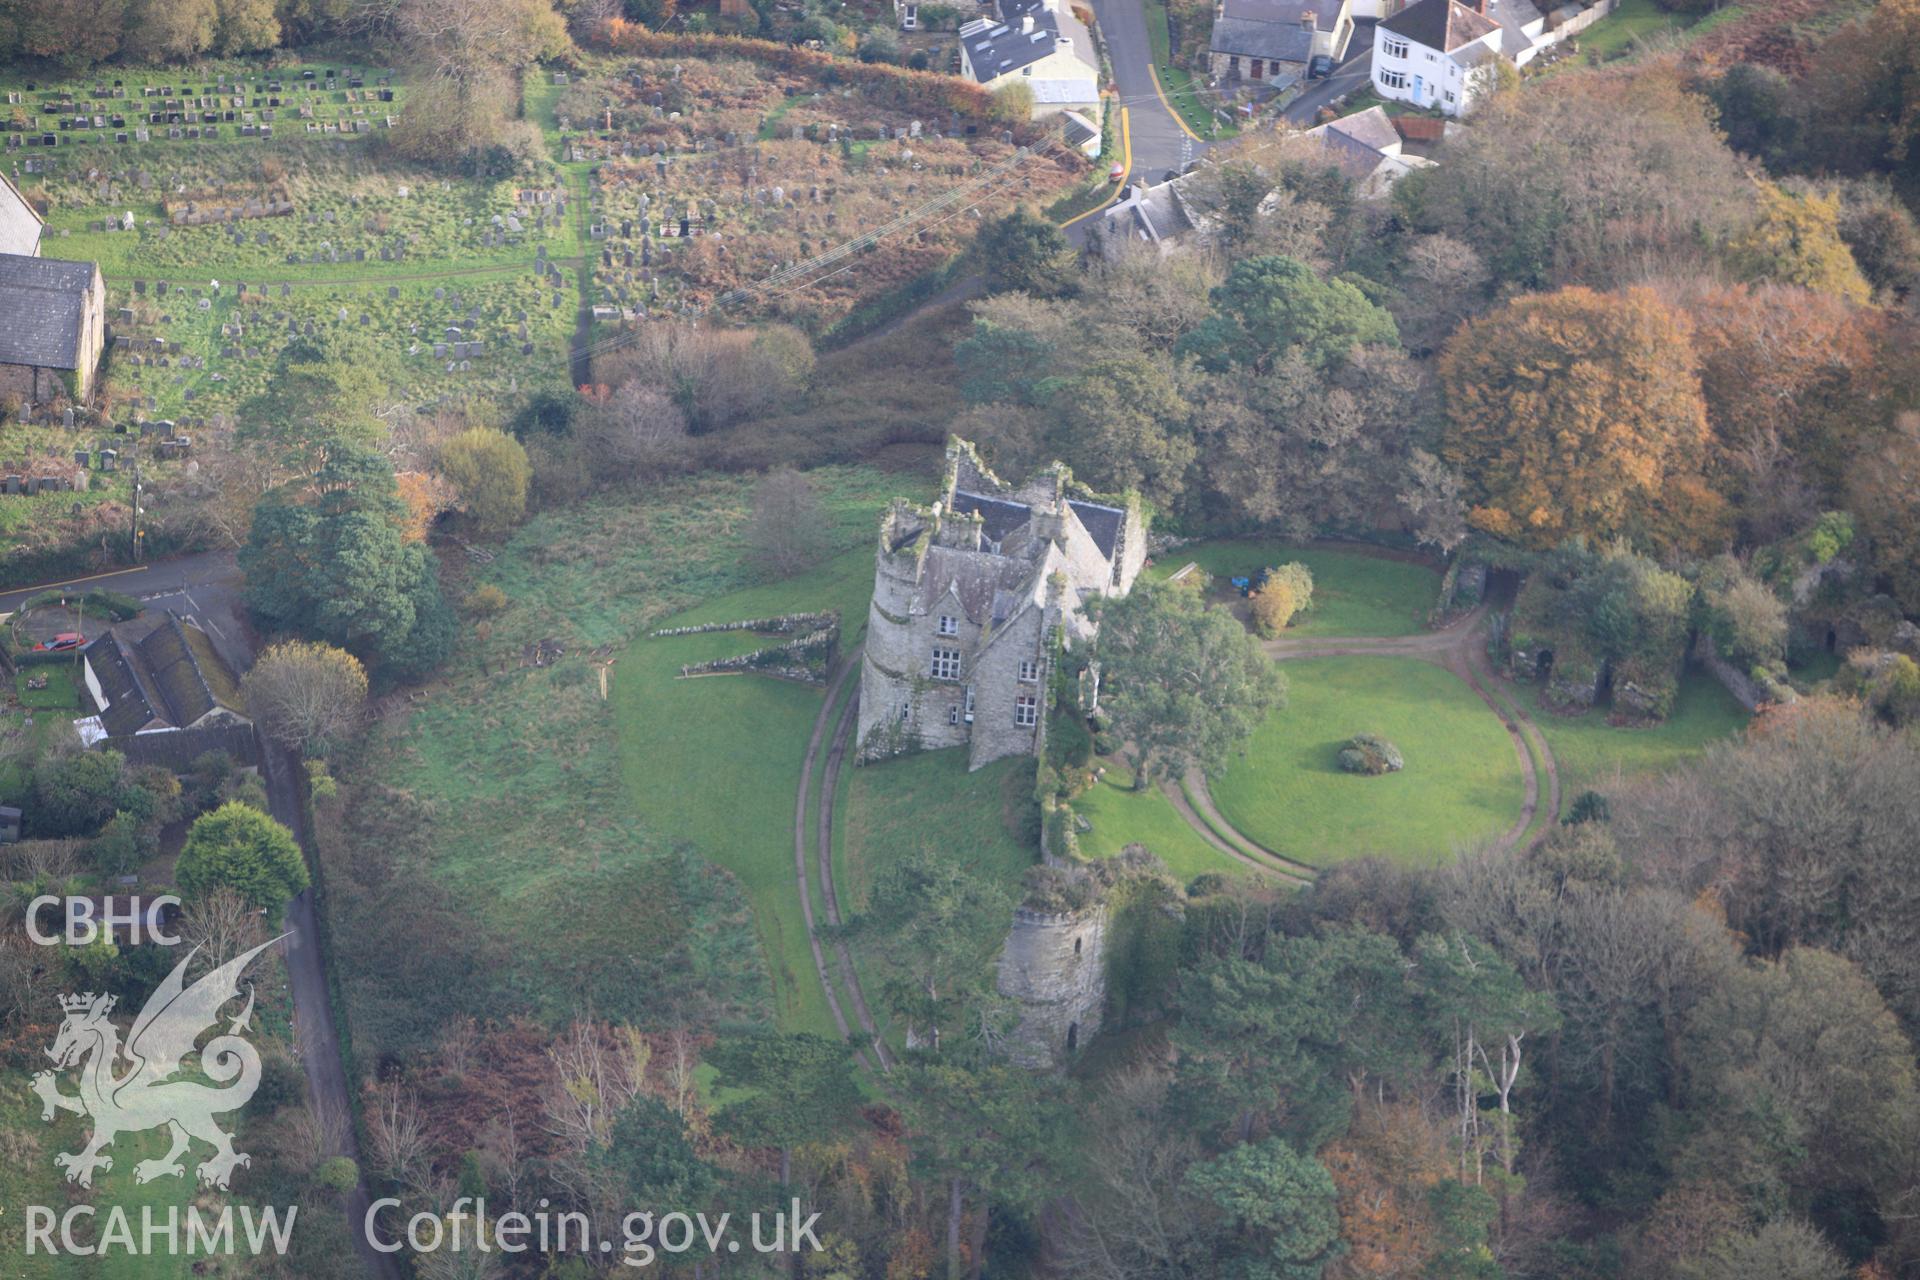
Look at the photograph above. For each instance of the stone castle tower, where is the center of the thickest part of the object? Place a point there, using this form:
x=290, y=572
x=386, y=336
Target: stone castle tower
x=1054, y=969
x=971, y=597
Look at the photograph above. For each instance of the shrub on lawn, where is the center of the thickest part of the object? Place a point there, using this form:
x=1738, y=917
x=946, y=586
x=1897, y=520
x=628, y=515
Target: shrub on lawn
x=1285, y=592
x=1371, y=755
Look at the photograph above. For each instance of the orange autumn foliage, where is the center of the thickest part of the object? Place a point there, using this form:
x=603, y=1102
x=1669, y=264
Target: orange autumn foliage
x=1383, y=1169
x=426, y=494
x=1580, y=413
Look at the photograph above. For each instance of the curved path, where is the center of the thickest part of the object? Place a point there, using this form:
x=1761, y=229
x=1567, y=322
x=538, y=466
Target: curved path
x=801, y=879
x=828, y=769
x=1460, y=647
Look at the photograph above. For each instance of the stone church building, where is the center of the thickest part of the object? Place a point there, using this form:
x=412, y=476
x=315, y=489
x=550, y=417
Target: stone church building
x=971, y=597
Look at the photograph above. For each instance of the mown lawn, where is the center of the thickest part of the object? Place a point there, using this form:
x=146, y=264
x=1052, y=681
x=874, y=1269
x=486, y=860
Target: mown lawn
x=1354, y=594
x=1461, y=784
x=1593, y=754
x=715, y=761
x=1122, y=816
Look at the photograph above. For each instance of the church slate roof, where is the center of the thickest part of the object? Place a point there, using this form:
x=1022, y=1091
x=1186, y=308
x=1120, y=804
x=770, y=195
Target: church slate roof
x=42, y=305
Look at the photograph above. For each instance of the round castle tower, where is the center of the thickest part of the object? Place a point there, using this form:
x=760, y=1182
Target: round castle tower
x=1054, y=968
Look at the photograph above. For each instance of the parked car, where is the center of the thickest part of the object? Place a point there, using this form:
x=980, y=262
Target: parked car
x=1116, y=173
x=1319, y=67
x=65, y=640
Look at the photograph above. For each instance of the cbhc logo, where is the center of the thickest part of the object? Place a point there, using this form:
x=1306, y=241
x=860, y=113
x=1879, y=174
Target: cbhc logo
x=86, y=919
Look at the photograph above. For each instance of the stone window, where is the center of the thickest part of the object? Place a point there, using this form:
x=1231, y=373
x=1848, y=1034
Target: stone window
x=906, y=709
x=1026, y=711
x=1029, y=670
x=946, y=664
x=949, y=625
x=953, y=714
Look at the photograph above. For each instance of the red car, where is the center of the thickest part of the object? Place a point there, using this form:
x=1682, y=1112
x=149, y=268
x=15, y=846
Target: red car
x=65, y=640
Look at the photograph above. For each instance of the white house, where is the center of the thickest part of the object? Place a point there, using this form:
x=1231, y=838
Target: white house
x=1040, y=44
x=1436, y=53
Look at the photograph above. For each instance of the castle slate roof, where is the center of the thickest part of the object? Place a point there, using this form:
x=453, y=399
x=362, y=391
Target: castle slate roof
x=20, y=222
x=998, y=517
x=1445, y=25
x=42, y=304
x=1101, y=523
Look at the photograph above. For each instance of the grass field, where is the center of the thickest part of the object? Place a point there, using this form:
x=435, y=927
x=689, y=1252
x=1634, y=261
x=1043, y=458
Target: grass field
x=1122, y=816
x=1461, y=783
x=1593, y=754
x=1354, y=594
x=621, y=816
x=887, y=812
x=1640, y=21
x=716, y=761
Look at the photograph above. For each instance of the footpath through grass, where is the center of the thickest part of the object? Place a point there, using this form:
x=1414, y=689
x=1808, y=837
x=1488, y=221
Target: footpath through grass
x=1121, y=816
x=1354, y=594
x=1461, y=783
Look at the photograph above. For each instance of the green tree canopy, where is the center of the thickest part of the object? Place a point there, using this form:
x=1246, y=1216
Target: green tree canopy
x=1277, y=1210
x=240, y=848
x=1184, y=684
x=1022, y=250
x=328, y=559
x=1268, y=306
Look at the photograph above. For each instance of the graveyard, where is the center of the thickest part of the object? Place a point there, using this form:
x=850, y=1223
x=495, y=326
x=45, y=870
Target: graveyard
x=246, y=212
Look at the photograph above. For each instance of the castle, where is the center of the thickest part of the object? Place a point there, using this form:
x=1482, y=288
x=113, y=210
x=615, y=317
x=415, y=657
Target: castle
x=970, y=598
x=1054, y=969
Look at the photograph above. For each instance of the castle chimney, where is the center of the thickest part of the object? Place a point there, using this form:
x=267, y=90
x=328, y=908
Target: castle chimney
x=1307, y=19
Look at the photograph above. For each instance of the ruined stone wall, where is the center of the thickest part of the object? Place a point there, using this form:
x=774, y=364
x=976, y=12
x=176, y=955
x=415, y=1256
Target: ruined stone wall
x=1054, y=968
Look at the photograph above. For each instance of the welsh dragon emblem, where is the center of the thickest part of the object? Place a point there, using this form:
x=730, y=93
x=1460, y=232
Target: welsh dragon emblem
x=149, y=1094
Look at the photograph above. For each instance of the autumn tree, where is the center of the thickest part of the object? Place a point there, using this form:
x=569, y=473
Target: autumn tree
x=1864, y=86
x=1884, y=487
x=489, y=469
x=1185, y=685
x=1579, y=412
x=1598, y=178
x=1793, y=381
x=1796, y=240
x=306, y=696
x=464, y=55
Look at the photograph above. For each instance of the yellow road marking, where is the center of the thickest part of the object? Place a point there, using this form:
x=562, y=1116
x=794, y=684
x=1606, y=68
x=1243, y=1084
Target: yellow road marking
x=1177, y=117
x=1126, y=160
x=92, y=577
